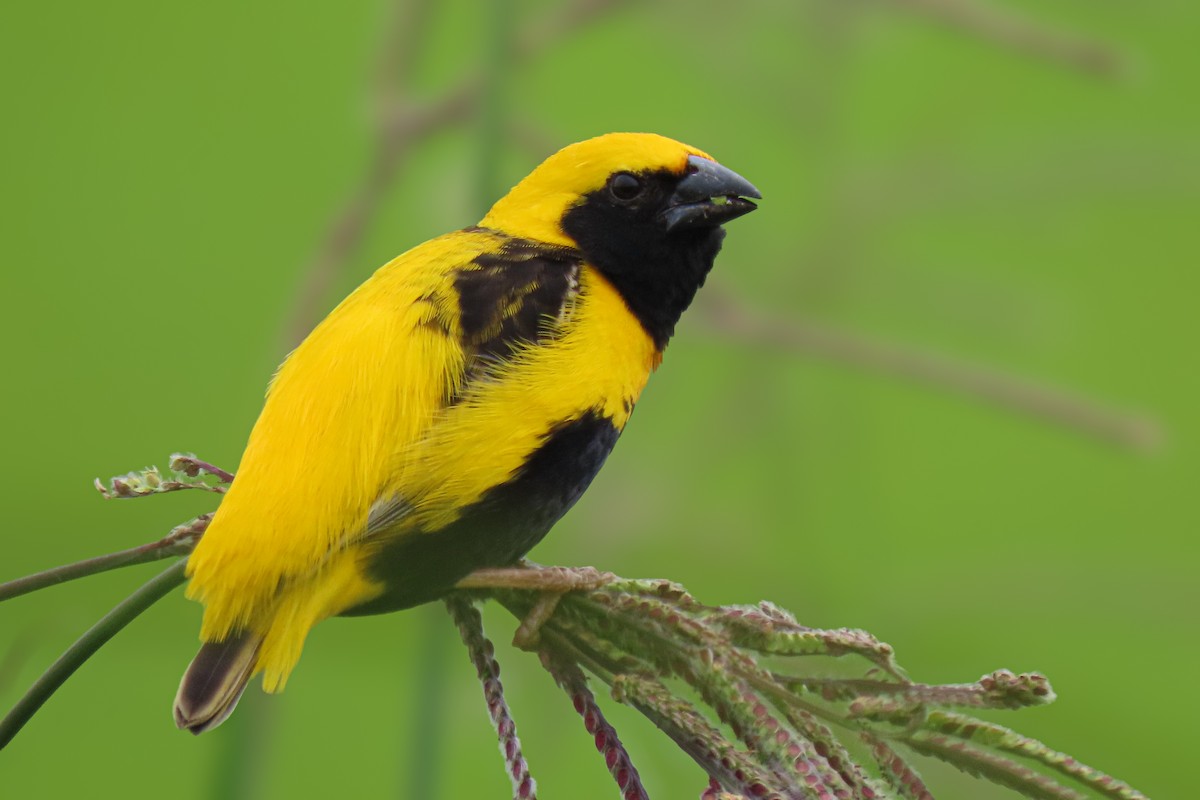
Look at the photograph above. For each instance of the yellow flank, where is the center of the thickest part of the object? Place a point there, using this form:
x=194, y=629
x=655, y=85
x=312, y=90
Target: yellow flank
x=360, y=414
x=301, y=605
x=366, y=383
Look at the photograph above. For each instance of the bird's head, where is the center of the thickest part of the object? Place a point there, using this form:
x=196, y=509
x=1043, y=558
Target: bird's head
x=645, y=210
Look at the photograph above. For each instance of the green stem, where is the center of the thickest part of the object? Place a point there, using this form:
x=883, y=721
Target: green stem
x=239, y=766
x=155, y=551
x=87, y=645
x=428, y=696
x=427, y=702
x=493, y=106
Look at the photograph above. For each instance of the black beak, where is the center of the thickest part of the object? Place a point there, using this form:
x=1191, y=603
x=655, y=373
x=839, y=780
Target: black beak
x=708, y=196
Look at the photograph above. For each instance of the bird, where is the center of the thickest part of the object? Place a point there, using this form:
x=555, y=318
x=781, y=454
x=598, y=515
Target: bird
x=449, y=411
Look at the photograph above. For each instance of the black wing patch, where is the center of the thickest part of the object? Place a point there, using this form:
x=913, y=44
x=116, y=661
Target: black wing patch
x=513, y=297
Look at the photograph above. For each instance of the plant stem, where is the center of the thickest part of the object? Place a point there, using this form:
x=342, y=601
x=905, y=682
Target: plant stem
x=87, y=645
x=498, y=58
x=81, y=569
x=470, y=625
x=239, y=766
x=428, y=696
x=178, y=543
x=426, y=707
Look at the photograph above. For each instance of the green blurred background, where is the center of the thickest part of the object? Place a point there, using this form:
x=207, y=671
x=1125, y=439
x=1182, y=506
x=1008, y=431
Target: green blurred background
x=936, y=175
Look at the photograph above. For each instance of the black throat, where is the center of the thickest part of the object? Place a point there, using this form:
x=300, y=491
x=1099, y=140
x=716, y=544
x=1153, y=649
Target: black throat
x=657, y=274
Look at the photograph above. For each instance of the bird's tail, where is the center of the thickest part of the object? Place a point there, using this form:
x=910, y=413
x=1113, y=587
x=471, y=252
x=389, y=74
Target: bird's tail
x=215, y=680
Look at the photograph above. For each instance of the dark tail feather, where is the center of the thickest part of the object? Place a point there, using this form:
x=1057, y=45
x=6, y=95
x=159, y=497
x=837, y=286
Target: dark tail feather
x=214, y=682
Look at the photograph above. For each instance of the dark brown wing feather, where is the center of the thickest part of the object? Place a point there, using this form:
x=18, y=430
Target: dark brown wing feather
x=506, y=299
x=511, y=297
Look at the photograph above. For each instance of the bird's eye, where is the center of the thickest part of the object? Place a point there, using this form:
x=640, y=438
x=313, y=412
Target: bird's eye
x=624, y=186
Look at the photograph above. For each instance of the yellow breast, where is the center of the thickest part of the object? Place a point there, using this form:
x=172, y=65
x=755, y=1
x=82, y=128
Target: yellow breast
x=600, y=360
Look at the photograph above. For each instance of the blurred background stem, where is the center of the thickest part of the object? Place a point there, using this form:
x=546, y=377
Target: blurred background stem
x=244, y=742
x=425, y=703
x=493, y=107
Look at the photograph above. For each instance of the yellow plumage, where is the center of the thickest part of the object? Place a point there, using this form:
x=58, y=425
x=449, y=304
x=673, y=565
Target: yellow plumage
x=390, y=419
